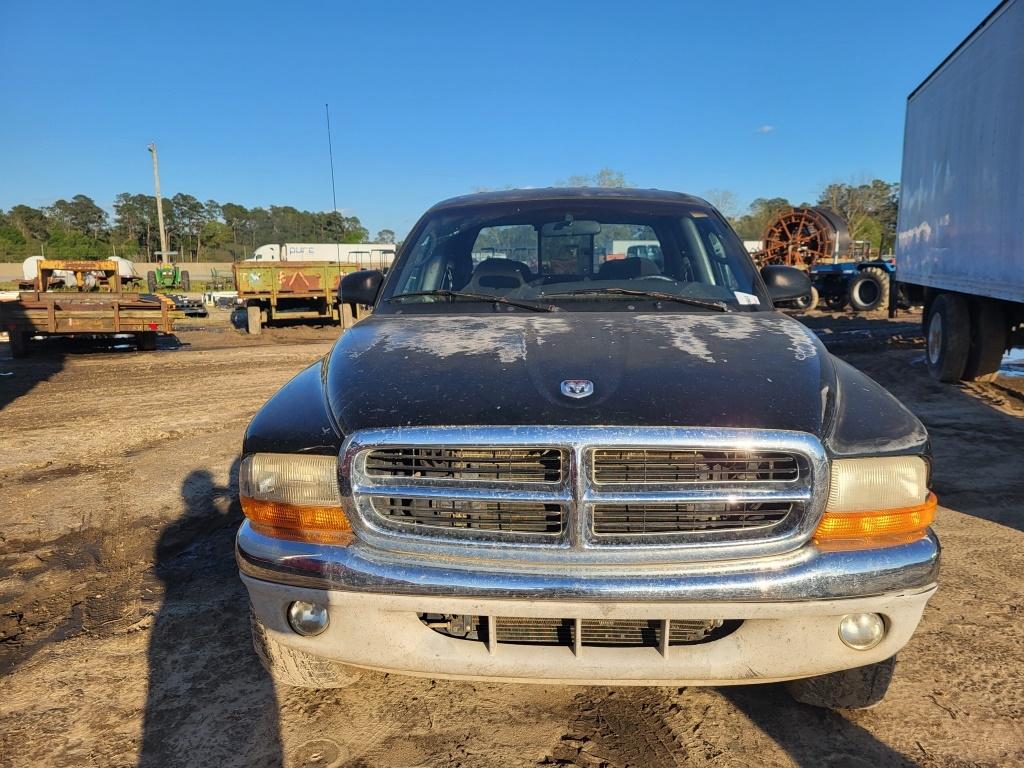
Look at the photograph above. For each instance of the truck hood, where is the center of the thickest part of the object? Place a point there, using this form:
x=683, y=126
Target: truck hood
x=755, y=370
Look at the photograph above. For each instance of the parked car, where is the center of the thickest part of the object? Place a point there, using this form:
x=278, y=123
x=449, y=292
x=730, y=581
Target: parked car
x=569, y=469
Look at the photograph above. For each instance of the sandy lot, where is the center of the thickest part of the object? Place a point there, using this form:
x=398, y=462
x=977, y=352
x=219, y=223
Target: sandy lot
x=123, y=626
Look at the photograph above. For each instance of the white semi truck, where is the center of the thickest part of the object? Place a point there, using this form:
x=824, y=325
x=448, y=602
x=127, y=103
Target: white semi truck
x=960, y=244
x=365, y=255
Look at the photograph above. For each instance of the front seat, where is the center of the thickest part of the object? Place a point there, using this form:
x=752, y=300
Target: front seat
x=627, y=269
x=498, y=274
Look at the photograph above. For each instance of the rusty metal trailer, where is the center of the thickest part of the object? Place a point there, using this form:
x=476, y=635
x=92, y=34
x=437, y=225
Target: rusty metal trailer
x=292, y=291
x=41, y=313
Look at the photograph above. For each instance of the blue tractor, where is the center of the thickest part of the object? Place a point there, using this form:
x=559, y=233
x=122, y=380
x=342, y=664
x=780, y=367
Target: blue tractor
x=861, y=285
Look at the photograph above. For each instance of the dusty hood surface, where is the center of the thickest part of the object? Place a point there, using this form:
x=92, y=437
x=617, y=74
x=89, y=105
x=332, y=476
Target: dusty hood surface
x=686, y=369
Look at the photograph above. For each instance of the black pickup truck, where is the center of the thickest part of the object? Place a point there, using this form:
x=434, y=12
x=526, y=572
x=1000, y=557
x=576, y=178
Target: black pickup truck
x=576, y=443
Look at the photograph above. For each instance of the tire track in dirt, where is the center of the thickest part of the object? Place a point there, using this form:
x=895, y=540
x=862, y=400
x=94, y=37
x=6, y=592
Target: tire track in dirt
x=622, y=728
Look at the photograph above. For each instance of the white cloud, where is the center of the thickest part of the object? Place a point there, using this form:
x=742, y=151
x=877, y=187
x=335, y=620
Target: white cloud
x=765, y=128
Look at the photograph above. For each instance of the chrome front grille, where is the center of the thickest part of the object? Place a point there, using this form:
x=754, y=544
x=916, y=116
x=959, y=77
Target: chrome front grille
x=612, y=519
x=516, y=516
x=500, y=465
x=644, y=466
x=578, y=495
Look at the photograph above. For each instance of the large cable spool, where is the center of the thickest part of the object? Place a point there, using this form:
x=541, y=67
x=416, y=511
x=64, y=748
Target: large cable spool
x=801, y=237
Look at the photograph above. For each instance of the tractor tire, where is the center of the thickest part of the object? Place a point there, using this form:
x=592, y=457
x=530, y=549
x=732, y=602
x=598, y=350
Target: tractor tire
x=254, y=320
x=147, y=341
x=988, y=341
x=807, y=302
x=298, y=668
x=948, y=336
x=19, y=343
x=186, y=283
x=859, y=688
x=837, y=302
x=869, y=290
x=151, y=281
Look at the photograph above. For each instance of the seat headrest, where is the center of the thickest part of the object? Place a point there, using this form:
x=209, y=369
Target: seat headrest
x=627, y=269
x=504, y=274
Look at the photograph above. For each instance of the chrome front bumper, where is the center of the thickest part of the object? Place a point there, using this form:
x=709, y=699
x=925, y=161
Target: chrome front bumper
x=804, y=574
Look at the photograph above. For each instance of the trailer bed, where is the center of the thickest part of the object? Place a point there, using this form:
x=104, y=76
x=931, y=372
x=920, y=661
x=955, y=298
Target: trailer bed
x=36, y=313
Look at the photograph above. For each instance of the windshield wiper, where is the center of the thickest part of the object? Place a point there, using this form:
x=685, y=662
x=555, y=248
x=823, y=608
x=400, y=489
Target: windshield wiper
x=452, y=295
x=718, y=306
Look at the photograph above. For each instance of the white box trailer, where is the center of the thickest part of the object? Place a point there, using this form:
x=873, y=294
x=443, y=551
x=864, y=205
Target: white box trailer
x=960, y=242
x=365, y=255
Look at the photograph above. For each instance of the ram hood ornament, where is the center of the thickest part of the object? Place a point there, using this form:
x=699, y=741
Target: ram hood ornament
x=577, y=388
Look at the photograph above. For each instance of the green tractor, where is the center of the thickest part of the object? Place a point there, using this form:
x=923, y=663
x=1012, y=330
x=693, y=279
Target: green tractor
x=168, y=277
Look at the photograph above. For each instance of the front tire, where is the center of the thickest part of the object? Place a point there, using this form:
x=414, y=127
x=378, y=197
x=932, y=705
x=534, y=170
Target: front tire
x=298, y=669
x=869, y=290
x=807, y=302
x=186, y=282
x=147, y=341
x=859, y=688
x=19, y=343
x=948, y=336
x=151, y=281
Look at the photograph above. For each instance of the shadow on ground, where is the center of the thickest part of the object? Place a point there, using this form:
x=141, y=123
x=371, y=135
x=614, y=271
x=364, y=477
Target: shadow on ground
x=209, y=700
x=810, y=736
x=47, y=357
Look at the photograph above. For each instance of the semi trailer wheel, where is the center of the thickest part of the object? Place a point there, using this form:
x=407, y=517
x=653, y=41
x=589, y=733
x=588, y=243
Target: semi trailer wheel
x=858, y=688
x=869, y=290
x=254, y=320
x=948, y=335
x=988, y=341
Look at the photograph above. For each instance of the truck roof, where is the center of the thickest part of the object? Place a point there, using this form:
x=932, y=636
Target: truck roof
x=570, y=193
x=952, y=54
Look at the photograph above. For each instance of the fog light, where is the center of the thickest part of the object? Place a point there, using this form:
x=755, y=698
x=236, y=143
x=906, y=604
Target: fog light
x=862, y=631
x=307, y=619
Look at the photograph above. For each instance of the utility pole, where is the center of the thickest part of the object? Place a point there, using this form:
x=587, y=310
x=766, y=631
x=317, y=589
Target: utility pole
x=159, y=204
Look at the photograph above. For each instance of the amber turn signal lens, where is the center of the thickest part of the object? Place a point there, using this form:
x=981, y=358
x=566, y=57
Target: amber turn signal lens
x=317, y=524
x=876, y=528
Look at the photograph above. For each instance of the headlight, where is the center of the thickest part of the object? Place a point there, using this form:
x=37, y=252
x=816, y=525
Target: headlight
x=292, y=496
x=877, y=502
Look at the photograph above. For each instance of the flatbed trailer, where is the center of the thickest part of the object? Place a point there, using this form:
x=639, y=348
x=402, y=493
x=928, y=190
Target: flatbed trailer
x=42, y=313
x=292, y=291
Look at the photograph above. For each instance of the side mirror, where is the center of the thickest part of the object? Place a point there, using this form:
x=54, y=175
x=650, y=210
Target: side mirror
x=785, y=283
x=360, y=287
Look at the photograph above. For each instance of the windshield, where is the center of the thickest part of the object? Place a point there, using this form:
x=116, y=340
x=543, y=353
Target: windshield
x=572, y=254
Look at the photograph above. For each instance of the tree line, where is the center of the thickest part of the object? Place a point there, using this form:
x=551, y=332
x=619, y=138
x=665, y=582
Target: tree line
x=196, y=230
x=212, y=231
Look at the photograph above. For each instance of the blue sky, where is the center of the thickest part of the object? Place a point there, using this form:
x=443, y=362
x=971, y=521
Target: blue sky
x=430, y=100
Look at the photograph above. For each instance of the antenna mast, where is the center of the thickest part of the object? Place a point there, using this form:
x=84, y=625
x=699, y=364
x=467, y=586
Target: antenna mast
x=330, y=152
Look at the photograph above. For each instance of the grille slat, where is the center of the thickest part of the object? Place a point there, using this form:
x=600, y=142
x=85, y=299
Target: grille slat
x=648, y=466
x=612, y=519
x=514, y=516
x=614, y=633
x=524, y=465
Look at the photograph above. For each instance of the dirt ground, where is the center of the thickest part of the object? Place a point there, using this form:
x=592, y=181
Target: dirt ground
x=123, y=625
